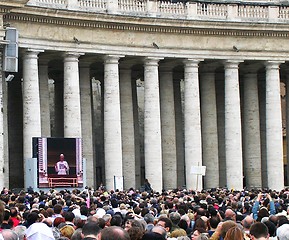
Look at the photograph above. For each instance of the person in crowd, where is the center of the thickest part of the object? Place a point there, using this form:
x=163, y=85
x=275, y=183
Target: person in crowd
x=62, y=167
x=113, y=233
x=259, y=231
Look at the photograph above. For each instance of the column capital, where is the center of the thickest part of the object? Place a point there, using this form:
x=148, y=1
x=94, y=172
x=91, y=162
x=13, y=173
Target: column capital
x=31, y=53
x=232, y=64
x=71, y=56
x=192, y=62
x=152, y=61
x=273, y=64
x=113, y=59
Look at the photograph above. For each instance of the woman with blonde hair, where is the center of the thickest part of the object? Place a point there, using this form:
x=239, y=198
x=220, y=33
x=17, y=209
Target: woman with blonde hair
x=234, y=233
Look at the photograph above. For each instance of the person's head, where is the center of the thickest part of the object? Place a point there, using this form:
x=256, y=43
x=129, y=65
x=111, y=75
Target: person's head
x=283, y=232
x=113, y=233
x=234, y=233
x=197, y=233
x=230, y=214
x=247, y=222
x=61, y=157
x=178, y=233
x=20, y=230
x=175, y=217
x=214, y=221
x=226, y=226
x=259, y=231
x=57, y=208
x=153, y=236
x=160, y=230
x=166, y=223
x=90, y=229
x=9, y=234
x=69, y=216
x=67, y=231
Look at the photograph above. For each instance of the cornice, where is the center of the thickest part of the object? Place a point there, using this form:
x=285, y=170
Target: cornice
x=149, y=24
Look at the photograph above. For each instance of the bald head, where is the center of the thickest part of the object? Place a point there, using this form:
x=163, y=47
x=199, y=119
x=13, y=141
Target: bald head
x=247, y=222
x=230, y=214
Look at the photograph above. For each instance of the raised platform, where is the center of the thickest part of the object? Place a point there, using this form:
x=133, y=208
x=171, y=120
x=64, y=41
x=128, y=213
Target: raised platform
x=62, y=180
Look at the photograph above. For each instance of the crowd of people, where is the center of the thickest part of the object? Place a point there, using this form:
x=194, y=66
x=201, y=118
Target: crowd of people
x=177, y=214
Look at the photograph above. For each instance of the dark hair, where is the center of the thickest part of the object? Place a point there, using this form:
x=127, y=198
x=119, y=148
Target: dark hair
x=167, y=221
x=69, y=216
x=259, y=230
x=90, y=228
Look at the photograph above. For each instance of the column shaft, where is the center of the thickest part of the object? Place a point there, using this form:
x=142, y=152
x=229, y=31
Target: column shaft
x=274, y=138
x=71, y=96
x=112, y=122
x=152, y=125
x=193, y=141
x=4, y=163
x=44, y=99
x=127, y=128
x=31, y=102
x=251, y=130
x=209, y=128
x=233, y=138
x=86, y=120
x=168, y=128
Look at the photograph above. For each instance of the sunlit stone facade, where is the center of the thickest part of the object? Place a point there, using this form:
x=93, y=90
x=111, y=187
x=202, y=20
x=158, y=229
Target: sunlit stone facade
x=155, y=89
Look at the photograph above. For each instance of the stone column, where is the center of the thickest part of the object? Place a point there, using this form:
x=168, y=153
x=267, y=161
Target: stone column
x=251, y=129
x=220, y=99
x=209, y=126
x=4, y=163
x=233, y=134
x=179, y=131
x=112, y=121
x=193, y=141
x=287, y=122
x=44, y=98
x=152, y=124
x=127, y=127
x=71, y=96
x=31, y=102
x=86, y=122
x=168, y=128
x=274, y=138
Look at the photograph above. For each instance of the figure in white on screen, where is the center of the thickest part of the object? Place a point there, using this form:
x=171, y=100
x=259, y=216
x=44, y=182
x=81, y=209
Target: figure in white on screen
x=62, y=167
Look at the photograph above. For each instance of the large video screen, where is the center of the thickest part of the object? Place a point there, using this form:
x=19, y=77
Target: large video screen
x=59, y=162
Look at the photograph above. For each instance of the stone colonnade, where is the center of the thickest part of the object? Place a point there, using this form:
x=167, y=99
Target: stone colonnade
x=215, y=123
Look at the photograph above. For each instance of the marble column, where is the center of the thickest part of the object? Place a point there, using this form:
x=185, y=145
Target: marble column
x=287, y=122
x=192, y=115
x=31, y=102
x=233, y=134
x=209, y=126
x=112, y=122
x=220, y=99
x=44, y=98
x=152, y=124
x=274, y=137
x=4, y=163
x=168, y=128
x=127, y=127
x=251, y=128
x=86, y=121
x=179, y=131
x=71, y=96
